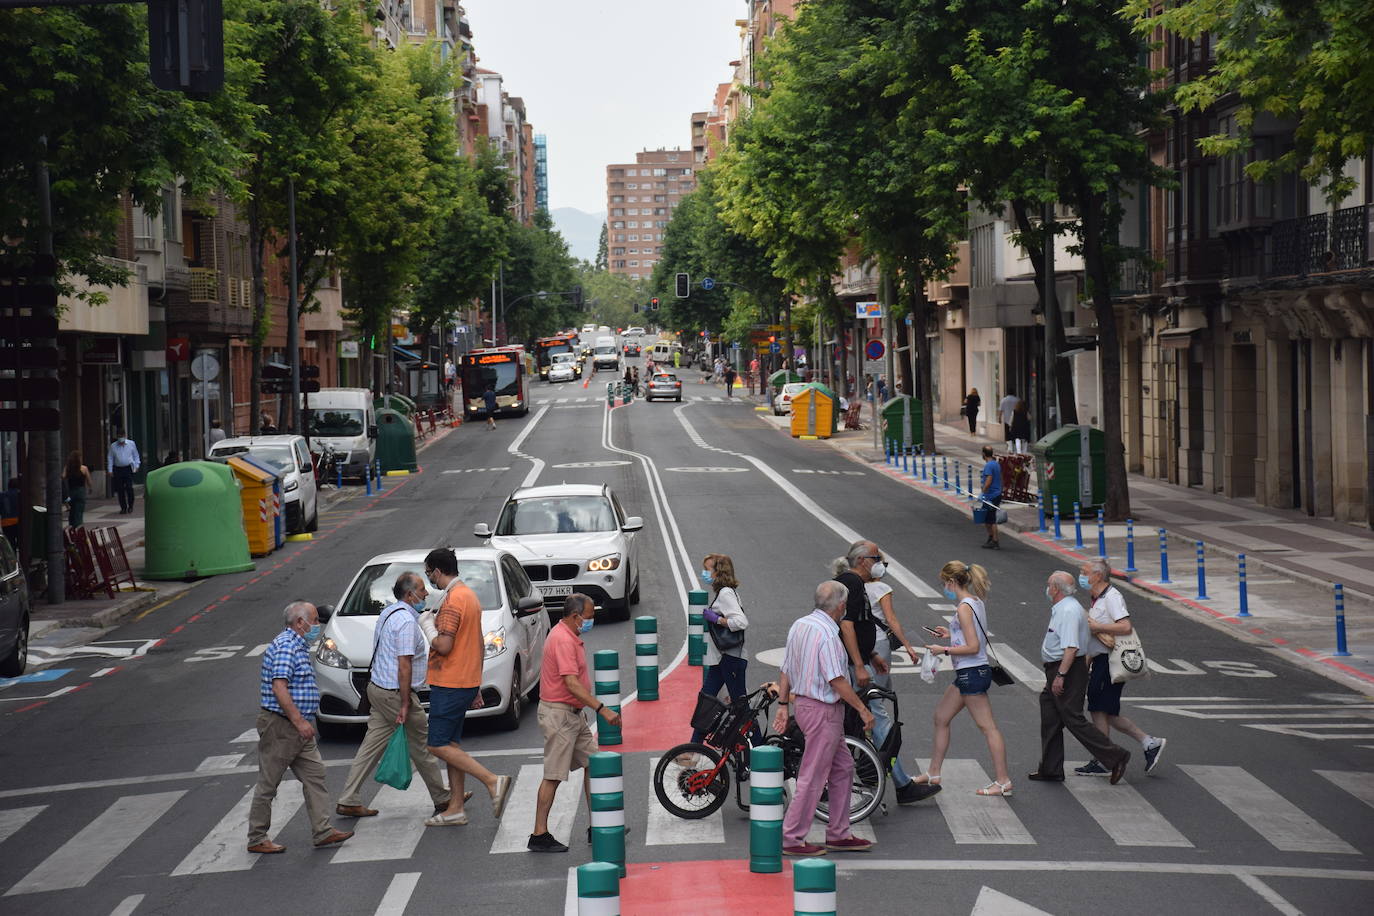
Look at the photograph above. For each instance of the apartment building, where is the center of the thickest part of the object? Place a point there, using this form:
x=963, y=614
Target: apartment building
x=541, y=173
x=640, y=199
x=503, y=121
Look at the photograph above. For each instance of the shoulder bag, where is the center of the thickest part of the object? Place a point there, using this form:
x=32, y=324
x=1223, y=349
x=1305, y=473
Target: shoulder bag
x=1127, y=659
x=1000, y=677
x=364, y=701
x=724, y=637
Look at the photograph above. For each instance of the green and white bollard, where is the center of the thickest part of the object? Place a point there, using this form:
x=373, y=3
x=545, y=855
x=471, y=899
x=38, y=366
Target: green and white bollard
x=646, y=657
x=606, y=792
x=606, y=675
x=610, y=394
x=765, y=809
x=813, y=888
x=598, y=889
x=696, y=627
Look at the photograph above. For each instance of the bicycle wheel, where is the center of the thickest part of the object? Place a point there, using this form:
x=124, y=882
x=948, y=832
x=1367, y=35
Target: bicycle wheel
x=689, y=791
x=870, y=782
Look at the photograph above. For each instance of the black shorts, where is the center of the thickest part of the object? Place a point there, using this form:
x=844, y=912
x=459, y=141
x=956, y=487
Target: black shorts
x=1103, y=695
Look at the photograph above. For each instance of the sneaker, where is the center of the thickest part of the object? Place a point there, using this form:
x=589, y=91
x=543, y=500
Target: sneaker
x=803, y=849
x=992, y=545
x=544, y=842
x=1093, y=768
x=1153, y=753
x=850, y=844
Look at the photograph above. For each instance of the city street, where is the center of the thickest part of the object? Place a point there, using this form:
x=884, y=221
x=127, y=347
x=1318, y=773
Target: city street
x=127, y=774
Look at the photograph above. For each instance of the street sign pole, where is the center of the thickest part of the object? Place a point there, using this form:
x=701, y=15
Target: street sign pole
x=293, y=318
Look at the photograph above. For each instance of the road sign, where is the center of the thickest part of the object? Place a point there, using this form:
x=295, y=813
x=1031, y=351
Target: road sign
x=708, y=283
x=775, y=347
x=198, y=390
x=875, y=349
x=735, y=345
x=205, y=367
x=868, y=310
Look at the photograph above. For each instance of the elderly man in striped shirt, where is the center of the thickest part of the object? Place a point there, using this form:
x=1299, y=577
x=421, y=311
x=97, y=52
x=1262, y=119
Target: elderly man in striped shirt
x=815, y=670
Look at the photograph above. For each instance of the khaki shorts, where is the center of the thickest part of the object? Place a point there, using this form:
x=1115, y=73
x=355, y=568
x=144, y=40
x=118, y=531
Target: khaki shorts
x=568, y=741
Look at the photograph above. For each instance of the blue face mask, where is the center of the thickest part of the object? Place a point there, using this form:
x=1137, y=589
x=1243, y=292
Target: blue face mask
x=586, y=626
x=1083, y=581
x=419, y=606
x=950, y=595
x=313, y=633
x=706, y=577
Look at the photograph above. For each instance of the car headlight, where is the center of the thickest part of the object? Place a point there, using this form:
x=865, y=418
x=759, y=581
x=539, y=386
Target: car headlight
x=604, y=564
x=494, y=642
x=292, y=485
x=327, y=651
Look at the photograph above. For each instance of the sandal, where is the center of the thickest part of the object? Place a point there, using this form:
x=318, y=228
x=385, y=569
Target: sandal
x=1002, y=789
x=925, y=779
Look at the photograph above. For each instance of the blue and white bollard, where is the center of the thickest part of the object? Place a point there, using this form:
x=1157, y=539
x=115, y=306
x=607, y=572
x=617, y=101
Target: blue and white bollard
x=1201, y=575
x=813, y=888
x=1244, y=596
x=1040, y=507
x=1058, y=535
x=338, y=472
x=944, y=470
x=1077, y=526
x=1163, y=557
x=958, y=485
x=1341, y=649
x=378, y=465
x=1130, y=546
x=1101, y=536
x=926, y=462
x=367, y=479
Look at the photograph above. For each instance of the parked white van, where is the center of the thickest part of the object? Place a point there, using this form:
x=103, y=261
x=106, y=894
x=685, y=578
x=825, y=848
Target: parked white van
x=343, y=419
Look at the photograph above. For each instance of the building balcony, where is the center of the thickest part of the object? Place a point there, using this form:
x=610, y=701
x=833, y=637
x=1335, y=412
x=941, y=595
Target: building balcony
x=1320, y=243
x=125, y=310
x=1194, y=261
x=204, y=285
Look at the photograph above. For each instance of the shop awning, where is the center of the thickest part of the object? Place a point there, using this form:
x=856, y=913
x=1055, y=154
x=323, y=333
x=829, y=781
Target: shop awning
x=1177, y=338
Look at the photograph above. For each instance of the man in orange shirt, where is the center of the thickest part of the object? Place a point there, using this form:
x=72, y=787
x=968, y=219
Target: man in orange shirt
x=564, y=692
x=455, y=683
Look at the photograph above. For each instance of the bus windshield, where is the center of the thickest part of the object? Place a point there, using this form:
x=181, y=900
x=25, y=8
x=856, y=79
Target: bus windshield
x=502, y=377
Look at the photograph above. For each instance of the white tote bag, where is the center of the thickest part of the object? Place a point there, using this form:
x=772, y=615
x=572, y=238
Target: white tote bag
x=1127, y=659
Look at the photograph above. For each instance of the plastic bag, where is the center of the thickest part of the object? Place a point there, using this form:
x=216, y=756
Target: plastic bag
x=394, y=768
x=427, y=626
x=929, y=663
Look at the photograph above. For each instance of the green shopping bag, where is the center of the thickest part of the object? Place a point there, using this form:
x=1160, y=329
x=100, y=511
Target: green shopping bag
x=394, y=768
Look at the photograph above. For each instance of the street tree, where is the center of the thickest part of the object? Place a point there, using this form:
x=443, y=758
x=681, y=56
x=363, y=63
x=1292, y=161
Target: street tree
x=537, y=261
x=602, y=263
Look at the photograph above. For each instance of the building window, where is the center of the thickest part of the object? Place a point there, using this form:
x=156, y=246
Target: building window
x=619, y=199
x=620, y=238
x=633, y=199
x=618, y=211
x=672, y=157
x=617, y=251
x=617, y=173
x=658, y=173
x=634, y=263
x=631, y=186
x=634, y=237
x=618, y=224
x=634, y=211
x=632, y=225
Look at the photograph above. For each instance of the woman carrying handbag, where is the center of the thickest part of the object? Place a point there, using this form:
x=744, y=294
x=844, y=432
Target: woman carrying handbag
x=724, y=664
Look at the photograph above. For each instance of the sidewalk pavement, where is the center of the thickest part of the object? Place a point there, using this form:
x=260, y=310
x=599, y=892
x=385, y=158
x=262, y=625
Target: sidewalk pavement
x=1292, y=560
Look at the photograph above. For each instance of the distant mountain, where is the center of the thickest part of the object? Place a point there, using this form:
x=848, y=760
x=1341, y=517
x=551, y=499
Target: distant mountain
x=580, y=229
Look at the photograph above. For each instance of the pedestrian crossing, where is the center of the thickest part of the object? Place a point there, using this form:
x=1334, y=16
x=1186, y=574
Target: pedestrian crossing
x=1222, y=802
x=587, y=401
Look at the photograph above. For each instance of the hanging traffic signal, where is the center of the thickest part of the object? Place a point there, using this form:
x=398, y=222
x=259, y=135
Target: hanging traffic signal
x=653, y=303
x=684, y=286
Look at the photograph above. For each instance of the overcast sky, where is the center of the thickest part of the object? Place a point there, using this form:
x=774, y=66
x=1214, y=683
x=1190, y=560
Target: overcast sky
x=603, y=79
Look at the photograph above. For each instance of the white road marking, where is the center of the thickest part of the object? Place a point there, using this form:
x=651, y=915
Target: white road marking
x=101, y=673
x=973, y=818
x=1267, y=812
x=1269, y=894
x=398, y=894
x=248, y=737
x=514, y=831
x=11, y=819
x=1360, y=785
x=996, y=903
x=666, y=829
x=83, y=857
x=127, y=905
x=396, y=830
x=220, y=762
x=514, y=447
x=1123, y=813
x=225, y=848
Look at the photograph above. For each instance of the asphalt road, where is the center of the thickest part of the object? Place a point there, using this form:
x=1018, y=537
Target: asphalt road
x=122, y=776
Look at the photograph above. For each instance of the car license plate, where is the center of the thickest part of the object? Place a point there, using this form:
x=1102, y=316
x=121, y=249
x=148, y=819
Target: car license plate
x=550, y=591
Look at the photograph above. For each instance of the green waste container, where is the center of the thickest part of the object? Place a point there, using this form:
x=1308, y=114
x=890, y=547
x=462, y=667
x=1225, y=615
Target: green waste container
x=193, y=525
x=902, y=418
x=395, y=441
x=398, y=402
x=1071, y=463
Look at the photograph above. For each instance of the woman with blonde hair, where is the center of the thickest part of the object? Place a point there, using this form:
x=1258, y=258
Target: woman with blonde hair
x=725, y=663
x=967, y=586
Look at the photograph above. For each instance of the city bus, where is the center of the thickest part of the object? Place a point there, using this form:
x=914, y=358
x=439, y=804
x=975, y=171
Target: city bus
x=546, y=347
x=506, y=369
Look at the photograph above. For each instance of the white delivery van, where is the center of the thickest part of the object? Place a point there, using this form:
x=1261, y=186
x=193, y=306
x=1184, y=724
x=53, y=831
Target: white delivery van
x=344, y=420
x=605, y=354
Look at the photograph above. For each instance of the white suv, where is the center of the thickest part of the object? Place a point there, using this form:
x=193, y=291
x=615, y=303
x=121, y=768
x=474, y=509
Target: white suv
x=572, y=538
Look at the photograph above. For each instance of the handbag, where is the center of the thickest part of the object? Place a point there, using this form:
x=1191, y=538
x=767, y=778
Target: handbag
x=724, y=637
x=1127, y=659
x=1000, y=677
x=394, y=768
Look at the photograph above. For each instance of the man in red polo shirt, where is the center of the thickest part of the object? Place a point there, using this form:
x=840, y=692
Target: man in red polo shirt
x=564, y=691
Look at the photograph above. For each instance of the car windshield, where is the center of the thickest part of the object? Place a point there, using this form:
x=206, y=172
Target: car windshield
x=336, y=421
x=605, y=348
x=792, y=388
x=556, y=515
x=559, y=358
x=276, y=457
x=372, y=591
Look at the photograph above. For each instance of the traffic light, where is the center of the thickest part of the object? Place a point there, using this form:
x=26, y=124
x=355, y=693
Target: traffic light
x=194, y=66
x=635, y=308
x=577, y=297
x=684, y=286
x=653, y=303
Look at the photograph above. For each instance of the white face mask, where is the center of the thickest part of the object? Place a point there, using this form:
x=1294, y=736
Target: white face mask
x=878, y=570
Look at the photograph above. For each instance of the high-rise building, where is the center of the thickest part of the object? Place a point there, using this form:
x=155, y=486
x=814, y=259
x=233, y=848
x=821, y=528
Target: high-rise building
x=640, y=199
x=541, y=173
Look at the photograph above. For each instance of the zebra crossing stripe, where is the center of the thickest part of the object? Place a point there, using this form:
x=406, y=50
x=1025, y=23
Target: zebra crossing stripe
x=1360, y=785
x=513, y=833
x=1279, y=821
x=83, y=857
x=398, y=894
x=12, y=819
x=1123, y=813
x=128, y=905
x=666, y=829
x=225, y=848
x=395, y=831
x=973, y=818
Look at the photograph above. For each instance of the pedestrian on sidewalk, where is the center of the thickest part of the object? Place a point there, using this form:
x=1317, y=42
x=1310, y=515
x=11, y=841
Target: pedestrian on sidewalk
x=992, y=496
x=455, y=683
x=1108, y=619
x=564, y=692
x=755, y=376
x=971, y=404
x=78, y=479
x=1020, y=428
x=725, y=663
x=217, y=433
x=290, y=699
x=815, y=674
x=1066, y=682
x=399, y=669
x=122, y=463
x=489, y=404
x=1005, y=408
x=967, y=586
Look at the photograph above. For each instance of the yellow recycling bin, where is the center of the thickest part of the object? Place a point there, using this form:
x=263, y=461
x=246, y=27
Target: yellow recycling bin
x=259, y=506
x=814, y=412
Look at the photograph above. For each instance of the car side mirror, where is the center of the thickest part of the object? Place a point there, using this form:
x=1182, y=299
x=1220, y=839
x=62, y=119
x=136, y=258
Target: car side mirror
x=531, y=604
x=482, y=530
x=372, y=432
x=325, y=611
x=633, y=523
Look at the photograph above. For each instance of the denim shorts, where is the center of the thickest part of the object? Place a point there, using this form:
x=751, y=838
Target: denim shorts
x=1103, y=695
x=972, y=681
x=448, y=708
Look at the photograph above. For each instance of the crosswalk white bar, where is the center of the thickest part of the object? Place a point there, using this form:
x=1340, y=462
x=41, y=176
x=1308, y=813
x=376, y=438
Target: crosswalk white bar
x=1360, y=785
x=1267, y=812
x=973, y=818
x=395, y=831
x=219, y=762
x=514, y=831
x=665, y=829
x=83, y=857
x=12, y=819
x=398, y=893
x=248, y=737
x=1123, y=812
x=127, y=905
x=225, y=848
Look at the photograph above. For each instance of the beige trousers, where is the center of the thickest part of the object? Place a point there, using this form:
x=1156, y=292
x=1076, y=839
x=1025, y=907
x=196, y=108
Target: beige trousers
x=380, y=724
x=280, y=746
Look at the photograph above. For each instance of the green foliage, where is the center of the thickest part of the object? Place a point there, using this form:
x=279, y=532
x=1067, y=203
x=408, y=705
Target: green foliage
x=538, y=260
x=610, y=299
x=601, y=249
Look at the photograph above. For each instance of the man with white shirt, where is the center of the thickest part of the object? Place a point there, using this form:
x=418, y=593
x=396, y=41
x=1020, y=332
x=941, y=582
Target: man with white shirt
x=1007, y=409
x=122, y=463
x=1066, y=682
x=400, y=657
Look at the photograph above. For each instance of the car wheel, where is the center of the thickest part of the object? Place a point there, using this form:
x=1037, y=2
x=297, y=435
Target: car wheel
x=314, y=519
x=14, y=664
x=634, y=595
x=510, y=719
x=678, y=399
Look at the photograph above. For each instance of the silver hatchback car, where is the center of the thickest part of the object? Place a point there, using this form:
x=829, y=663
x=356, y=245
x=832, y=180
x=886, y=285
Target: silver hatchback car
x=664, y=385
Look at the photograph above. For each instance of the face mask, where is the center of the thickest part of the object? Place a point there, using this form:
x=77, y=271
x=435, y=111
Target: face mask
x=313, y=633
x=706, y=576
x=1047, y=593
x=586, y=626
x=1083, y=581
x=878, y=570
x=418, y=606
x=949, y=593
